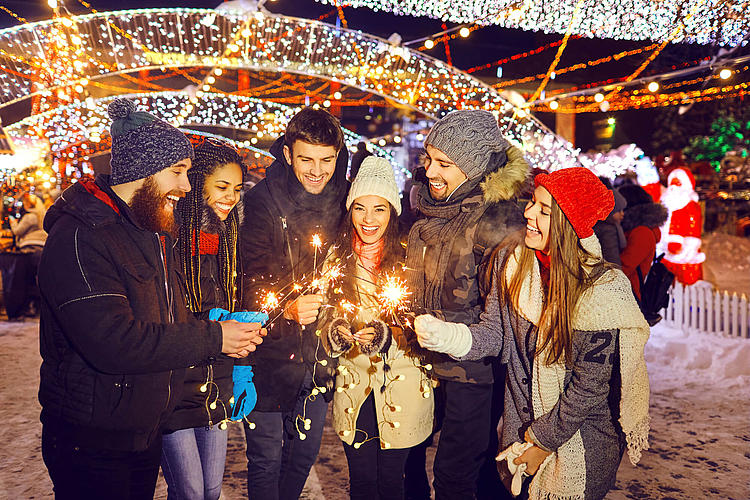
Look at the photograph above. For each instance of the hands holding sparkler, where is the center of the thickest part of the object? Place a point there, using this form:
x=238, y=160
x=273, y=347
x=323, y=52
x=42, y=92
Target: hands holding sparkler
x=304, y=298
x=363, y=336
x=304, y=309
x=240, y=339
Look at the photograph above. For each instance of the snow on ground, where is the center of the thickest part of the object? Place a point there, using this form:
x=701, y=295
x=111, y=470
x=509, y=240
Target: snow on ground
x=700, y=420
x=727, y=264
x=700, y=430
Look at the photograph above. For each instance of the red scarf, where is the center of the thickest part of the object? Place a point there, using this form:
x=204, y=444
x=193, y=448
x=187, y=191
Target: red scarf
x=209, y=244
x=543, y=266
x=371, y=254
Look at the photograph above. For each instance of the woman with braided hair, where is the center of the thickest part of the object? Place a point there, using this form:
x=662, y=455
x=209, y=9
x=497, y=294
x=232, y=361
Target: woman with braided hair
x=195, y=436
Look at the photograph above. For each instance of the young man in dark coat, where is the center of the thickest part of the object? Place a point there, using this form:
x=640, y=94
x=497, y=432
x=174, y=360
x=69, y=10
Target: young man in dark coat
x=473, y=176
x=115, y=334
x=302, y=195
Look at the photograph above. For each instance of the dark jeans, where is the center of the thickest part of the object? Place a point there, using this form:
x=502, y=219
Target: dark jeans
x=373, y=471
x=278, y=458
x=464, y=440
x=83, y=472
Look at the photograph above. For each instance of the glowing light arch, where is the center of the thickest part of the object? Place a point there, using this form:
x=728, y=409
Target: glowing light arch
x=77, y=130
x=126, y=41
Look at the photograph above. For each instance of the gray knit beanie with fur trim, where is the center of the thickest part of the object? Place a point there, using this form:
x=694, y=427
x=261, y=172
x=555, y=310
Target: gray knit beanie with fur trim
x=468, y=137
x=142, y=144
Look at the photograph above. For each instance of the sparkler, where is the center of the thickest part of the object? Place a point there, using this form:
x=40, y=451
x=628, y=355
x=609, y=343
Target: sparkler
x=316, y=243
x=270, y=302
x=394, y=295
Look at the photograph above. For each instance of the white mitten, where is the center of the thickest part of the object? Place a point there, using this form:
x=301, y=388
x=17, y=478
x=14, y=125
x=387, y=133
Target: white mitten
x=511, y=453
x=436, y=335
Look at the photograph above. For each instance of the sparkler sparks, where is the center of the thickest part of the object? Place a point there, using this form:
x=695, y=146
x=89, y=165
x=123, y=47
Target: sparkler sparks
x=394, y=295
x=270, y=301
x=316, y=242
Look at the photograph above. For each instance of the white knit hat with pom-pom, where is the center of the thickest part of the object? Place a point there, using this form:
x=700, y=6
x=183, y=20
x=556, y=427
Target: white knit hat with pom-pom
x=375, y=177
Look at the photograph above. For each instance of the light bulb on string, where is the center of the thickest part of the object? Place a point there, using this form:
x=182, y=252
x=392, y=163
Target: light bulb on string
x=464, y=32
x=653, y=87
x=428, y=44
x=725, y=73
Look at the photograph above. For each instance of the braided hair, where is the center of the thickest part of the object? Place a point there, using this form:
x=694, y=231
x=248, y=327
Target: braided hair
x=210, y=154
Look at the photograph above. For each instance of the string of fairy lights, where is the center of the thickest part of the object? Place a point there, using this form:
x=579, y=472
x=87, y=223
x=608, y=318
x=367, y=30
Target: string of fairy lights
x=722, y=21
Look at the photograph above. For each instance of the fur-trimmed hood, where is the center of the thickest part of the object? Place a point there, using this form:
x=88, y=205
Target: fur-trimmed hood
x=507, y=181
x=646, y=214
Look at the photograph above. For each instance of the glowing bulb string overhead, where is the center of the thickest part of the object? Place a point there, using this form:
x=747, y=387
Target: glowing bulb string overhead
x=518, y=56
x=579, y=66
x=724, y=22
x=674, y=34
x=610, y=81
x=277, y=44
x=560, y=50
x=670, y=75
x=642, y=100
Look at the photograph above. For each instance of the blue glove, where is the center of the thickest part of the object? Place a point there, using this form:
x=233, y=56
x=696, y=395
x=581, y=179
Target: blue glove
x=219, y=314
x=244, y=394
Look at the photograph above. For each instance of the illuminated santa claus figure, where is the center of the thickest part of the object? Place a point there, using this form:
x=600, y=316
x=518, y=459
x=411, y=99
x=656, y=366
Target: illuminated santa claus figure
x=682, y=245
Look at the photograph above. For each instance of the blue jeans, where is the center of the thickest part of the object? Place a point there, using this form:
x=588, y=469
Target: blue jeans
x=278, y=460
x=193, y=462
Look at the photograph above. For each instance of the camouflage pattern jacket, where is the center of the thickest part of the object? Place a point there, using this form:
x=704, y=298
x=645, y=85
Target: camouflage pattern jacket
x=461, y=299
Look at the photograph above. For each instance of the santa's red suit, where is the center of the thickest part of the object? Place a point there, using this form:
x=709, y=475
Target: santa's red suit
x=683, y=254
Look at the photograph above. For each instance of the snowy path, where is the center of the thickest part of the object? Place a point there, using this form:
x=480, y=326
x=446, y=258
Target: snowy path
x=700, y=439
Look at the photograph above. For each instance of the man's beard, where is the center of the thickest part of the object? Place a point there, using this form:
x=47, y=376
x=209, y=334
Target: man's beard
x=149, y=208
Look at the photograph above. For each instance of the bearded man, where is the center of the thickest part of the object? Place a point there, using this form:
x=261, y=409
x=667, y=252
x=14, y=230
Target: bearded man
x=115, y=334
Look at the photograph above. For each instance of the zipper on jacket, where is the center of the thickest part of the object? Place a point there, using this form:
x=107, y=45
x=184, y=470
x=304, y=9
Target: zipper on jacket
x=166, y=279
x=162, y=257
x=294, y=279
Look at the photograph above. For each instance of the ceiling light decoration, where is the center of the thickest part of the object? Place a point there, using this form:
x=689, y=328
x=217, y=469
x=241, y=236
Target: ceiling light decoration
x=619, y=19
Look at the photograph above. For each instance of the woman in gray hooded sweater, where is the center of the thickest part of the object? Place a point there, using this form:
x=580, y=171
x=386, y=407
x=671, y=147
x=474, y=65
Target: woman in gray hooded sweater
x=572, y=335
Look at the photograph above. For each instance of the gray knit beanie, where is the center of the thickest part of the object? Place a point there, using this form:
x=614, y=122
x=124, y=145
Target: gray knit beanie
x=376, y=177
x=142, y=144
x=468, y=137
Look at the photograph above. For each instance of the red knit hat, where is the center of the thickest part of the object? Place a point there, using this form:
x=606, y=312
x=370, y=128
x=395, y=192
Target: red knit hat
x=582, y=197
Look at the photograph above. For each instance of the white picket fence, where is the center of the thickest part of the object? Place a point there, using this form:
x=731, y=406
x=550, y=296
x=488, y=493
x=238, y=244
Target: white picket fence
x=700, y=308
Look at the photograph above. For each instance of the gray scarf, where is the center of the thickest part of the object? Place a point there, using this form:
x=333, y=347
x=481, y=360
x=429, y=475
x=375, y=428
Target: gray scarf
x=438, y=230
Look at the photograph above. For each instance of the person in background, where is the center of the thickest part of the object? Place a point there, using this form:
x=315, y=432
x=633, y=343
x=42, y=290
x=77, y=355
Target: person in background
x=609, y=231
x=195, y=436
x=468, y=204
x=357, y=158
x=573, y=337
x=641, y=223
x=115, y=332
x=28, y=231
x=383, y=403
x=301, y=196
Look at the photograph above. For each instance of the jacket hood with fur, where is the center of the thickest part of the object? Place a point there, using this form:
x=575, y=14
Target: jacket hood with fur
x=646, y=214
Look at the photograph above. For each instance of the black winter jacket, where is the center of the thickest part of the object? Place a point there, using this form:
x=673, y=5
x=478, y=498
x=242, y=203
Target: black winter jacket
x=194, y=407
x=279, y=222
x=115, y=334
